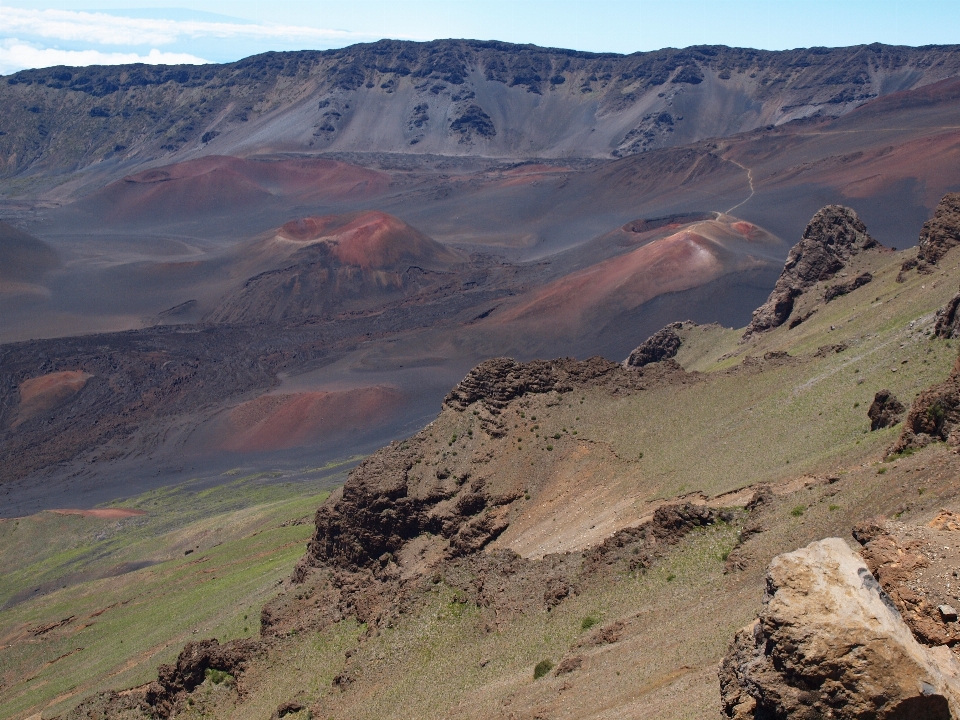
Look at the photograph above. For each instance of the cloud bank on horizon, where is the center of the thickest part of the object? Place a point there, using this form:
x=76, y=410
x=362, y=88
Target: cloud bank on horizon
x=35, y=38
x=42, y=33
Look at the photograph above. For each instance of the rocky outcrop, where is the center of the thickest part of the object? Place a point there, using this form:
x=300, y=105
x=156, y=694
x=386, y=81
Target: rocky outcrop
x=948, y=321
x=392, y=497
x=915, y=566
x=829, y=643
x=942, y=231
x=885, y=410
x=835, y=291
x=833, y=236
x=499, y=380
x=175, y=681
x=662, y=345
x=639, y=546
x=933, y=416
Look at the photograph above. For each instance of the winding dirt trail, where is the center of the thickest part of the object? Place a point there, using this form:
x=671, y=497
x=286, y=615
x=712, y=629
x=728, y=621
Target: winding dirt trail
x=749, y=180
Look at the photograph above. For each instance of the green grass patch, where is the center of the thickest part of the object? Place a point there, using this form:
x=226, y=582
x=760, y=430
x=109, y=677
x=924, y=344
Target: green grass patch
x=542, y=668
x=243, y=538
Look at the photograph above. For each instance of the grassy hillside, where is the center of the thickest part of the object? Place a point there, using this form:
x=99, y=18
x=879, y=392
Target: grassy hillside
x=92, y=603
x=635, y=639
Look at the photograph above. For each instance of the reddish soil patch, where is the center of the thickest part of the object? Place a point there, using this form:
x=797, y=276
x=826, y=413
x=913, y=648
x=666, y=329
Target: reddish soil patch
x=309, y=229
x=40, y=394
x=369, y=240
x=689, y=258
x=281, y=422
x=748, y=230
x=102, y=513
x=225, y=184
x=932, y=160
x=536, y=170
x=943, y=92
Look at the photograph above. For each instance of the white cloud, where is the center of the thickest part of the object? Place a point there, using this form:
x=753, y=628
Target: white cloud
x=104, y=29
x=16, y=55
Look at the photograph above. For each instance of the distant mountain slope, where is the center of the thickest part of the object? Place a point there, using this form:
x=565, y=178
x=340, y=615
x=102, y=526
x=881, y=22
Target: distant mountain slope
x=215, y=186
x=22, y=256
x=455, y=97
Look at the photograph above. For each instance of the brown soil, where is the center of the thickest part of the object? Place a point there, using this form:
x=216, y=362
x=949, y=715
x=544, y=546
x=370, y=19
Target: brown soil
x=42, y=394
x=102, y=513
x=283, y=421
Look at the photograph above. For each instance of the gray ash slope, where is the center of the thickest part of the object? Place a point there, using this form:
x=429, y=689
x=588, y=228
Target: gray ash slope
x=449, y=97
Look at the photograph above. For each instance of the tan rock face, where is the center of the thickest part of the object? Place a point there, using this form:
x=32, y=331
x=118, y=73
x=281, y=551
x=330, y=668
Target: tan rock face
x=830, y=644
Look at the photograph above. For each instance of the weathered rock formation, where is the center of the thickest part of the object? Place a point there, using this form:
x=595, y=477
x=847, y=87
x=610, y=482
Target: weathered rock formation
x=830, y=643
x=175, y=681
x=662, y=345
x=948, y=321
x=915, y=566
x=833, y=236
x=885, y=410
x=933, y=416
x=385, y=503
x=942, y=231
x=835, y=291
x=499, y=380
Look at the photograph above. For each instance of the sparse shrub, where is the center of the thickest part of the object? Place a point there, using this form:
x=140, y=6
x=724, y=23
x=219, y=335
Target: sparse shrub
x=834, y=507
x=881, y=471
x=556, y=436
x=218, y=676
x=589, y=621
x=724, y=555
x=935, y=412
x=921, y=491
x=640, y=456
x=542, y=668
x=671, y=577
x=798, y=510
x=549, y=447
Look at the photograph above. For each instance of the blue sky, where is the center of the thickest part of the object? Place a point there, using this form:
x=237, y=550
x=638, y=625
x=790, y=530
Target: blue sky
x=82, y=32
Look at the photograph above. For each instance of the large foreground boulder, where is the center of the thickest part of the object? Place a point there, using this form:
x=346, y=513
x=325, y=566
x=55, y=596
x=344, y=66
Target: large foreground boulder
x=829, y=643
x=833, y=236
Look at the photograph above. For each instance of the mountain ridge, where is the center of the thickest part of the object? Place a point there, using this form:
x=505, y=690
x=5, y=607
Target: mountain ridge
x=456, y=97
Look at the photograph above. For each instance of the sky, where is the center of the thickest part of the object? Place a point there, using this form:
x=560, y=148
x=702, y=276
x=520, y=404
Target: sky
x=42, y=33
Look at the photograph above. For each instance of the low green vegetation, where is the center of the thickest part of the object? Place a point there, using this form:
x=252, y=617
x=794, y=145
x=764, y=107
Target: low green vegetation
x=92, y=603
x=218, y=676
x=542, y=668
